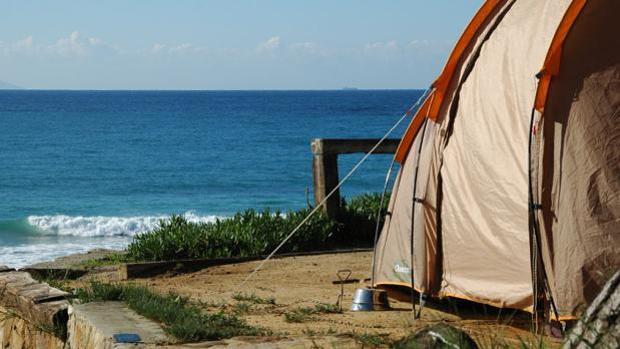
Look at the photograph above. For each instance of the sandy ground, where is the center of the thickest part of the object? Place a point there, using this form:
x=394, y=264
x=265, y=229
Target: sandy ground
x=305, y=281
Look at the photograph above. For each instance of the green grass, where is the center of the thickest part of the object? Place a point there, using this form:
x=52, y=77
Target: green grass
x=112, y=259
x=254, y=233
x=253, y=299
x=60, y=284
x=298, y=315
x=242, y=308
x=324, y=308
x=368, y=340
x=303, y=314
x=498, y=341
x=181, y=319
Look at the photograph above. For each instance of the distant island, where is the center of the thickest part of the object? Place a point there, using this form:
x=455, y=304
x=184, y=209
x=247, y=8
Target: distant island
x=349, y=88
x=7, y=86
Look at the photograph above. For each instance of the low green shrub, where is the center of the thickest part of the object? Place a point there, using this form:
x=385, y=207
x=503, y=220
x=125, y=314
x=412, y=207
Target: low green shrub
x=181, y=319
x=253, y=233
x=359, y=218
x=298, y=315
x=367, y=205
x=248, y=233
x=112, y=259
x=242, y=308
x=253, y=299
x=369, y=340
x=303, y=314
x=325, y=308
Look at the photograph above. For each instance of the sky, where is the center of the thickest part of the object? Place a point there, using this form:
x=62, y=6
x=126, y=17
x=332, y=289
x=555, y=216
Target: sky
x=228, y=44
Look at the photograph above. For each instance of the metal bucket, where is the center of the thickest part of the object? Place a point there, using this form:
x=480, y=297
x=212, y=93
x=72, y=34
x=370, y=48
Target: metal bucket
x=369, y=299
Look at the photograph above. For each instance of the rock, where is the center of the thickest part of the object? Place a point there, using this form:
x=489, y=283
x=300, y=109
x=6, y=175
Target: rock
x=69, y=267
x=440, y=336
x=599, y=327
x=5, y=269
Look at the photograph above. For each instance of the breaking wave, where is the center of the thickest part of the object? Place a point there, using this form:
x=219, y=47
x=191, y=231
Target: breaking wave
x=95, y=226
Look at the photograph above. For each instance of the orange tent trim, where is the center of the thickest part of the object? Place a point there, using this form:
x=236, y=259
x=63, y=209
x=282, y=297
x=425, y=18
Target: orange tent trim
x=433, y=102
x=412, y=130
x=551, y=66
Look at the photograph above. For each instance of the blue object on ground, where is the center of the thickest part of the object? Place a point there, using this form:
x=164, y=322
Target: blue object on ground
x=127, y=338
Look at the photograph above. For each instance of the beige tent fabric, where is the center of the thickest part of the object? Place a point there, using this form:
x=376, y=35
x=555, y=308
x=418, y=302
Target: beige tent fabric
x=484, y=213
x=433, y=241
x=393, y=252
x=393, y=246
x=471, y=231
x=581, y=173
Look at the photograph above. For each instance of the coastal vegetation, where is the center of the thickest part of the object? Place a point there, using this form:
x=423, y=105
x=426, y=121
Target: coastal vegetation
x=255, y=233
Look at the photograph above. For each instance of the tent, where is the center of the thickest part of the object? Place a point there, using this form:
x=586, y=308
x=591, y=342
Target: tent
x=508, y=191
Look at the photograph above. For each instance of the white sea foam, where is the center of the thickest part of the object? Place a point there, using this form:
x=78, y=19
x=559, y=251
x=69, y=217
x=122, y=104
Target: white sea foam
x=26, y=254
x=95, y=226
x=61, y=235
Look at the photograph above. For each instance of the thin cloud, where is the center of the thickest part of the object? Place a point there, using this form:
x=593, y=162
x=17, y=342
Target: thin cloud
x=73, y=45
x=305, y=47
x=381, y=46
x=23, y=46
x=77, y=45
x=157, y=48
x=180, y=49
x=419, y=43
x=270, y=45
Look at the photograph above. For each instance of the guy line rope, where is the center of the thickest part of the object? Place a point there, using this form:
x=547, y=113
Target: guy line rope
x=410, y=111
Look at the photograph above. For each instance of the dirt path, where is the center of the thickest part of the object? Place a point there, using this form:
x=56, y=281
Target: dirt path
x=306, y=281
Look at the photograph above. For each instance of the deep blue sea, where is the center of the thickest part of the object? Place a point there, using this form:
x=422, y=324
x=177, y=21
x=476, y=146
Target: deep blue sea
x=87, y=169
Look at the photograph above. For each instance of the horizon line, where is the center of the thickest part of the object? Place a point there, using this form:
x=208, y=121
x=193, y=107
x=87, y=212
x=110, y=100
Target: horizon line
x=345, y=89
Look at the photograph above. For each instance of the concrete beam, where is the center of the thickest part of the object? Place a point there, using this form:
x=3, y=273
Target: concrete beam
x=325, y=165
x=337, y=146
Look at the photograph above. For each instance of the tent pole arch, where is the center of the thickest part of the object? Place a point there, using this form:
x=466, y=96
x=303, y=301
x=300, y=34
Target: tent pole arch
x=498, y=163
x=441, y=84
x=551, y=66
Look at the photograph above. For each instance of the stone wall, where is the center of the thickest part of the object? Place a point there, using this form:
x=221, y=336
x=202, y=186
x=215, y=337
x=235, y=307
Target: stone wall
x=17, y=333
x=33, y=315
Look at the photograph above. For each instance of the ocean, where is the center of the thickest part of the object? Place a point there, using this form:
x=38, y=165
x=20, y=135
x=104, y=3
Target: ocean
x=90, y=169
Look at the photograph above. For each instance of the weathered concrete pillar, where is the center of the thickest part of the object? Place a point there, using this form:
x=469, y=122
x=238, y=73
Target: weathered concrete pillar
x=325, y=178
